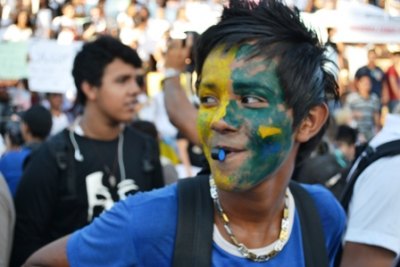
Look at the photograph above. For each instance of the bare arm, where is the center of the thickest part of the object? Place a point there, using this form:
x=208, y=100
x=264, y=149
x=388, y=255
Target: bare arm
x=377, y=121
x=360, y=255
x=182, y=145
x=51, y=255
x=394, y=87
x=181, y=112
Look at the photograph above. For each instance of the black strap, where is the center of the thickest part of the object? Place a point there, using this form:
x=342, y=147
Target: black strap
x=314, y=247
x=368, y=156
x=62, y=150
x=193, y=242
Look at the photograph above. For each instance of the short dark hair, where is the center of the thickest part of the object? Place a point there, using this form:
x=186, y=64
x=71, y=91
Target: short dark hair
x=276, y=32
x=12, y=129
x=90, y=62
x=39, y=121
x=346, y=134
x=362, y=72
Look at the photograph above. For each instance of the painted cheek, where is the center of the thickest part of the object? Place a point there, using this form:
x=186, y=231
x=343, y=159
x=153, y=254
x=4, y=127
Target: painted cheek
x=204, y=131
x=274, y=136
x=270, y=146
x=207, y=117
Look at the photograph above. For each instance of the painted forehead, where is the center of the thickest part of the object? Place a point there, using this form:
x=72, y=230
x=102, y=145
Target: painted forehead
x=238, y=68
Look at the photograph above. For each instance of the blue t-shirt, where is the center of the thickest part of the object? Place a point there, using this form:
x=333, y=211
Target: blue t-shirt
x=140, y=231
x=11, y=166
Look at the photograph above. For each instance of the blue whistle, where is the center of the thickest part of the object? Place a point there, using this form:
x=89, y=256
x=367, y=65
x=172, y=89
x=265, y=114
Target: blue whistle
x=218, y=154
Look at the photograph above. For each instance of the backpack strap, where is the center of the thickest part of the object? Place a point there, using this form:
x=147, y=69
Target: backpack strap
x=314, y=248
x=367, y=157
x=193, y=242
x=61, y=149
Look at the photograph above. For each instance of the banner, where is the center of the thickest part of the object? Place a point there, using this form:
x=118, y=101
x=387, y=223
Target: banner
x=50, y=66
x=356, y=23
x=13, y=60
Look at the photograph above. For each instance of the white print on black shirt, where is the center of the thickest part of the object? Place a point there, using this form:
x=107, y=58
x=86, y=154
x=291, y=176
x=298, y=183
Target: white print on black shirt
x=101, y=198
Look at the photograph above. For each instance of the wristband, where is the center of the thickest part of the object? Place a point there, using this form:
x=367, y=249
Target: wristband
x=171, y=72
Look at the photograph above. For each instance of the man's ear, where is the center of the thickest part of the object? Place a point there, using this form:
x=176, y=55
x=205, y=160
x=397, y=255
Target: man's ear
x=89, y=90
x=312, y=123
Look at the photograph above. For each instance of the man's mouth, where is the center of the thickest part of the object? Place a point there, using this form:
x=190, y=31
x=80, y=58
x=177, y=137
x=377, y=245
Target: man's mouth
x=220, y=153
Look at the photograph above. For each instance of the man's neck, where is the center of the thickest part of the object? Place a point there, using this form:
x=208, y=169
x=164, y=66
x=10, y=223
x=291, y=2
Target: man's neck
x=99, y=128
x=256, y=204
x=365, y=95
x=260, y=209
x=251, y=214
x=56, y=112
x=30, y=139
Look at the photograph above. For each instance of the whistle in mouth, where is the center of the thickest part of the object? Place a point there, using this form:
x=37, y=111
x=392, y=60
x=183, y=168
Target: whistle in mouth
x=218, y=154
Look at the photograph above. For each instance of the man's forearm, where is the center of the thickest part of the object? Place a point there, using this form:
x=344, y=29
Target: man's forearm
x=181, y=112
x=362, y=255
x=51, y=255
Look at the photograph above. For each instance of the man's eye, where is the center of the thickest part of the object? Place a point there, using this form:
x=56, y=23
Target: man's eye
x=252, y=99
x=123, y=79
x=208, y=100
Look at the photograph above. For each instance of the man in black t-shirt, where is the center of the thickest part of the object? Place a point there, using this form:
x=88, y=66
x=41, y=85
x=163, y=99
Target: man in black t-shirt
x=103, y=161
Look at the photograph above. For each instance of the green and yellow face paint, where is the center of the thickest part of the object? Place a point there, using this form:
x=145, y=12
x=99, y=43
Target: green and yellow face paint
x=243, y=113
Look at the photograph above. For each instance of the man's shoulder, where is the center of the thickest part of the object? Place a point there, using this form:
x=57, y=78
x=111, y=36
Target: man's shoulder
x=326, y=203
x=154, y=197
x=391, y=70
x=353, y=97
x=57, y=142
x=136, y=136
x=153, y=207
x=47, y=150
x=142, y=224
x=370, y=220
x=130, y=131
x=61, y=136
x=319, y=192
x=12, y=156
x=381, y=172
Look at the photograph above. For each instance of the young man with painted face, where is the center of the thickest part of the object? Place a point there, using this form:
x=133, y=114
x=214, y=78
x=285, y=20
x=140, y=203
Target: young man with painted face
x=105, y=160
x=263, y=91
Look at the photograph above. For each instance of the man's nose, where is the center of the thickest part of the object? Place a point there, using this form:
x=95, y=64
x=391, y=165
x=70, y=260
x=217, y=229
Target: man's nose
x=227, y=121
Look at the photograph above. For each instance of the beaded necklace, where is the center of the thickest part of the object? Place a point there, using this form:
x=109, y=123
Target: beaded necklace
x=243, y=250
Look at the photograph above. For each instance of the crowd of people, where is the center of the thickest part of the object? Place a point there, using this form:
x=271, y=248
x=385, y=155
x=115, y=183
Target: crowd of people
x=256, y=122
x=144, y=25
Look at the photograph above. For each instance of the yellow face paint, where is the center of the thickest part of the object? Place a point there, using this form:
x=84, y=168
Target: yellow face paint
x=242, y=107
x=215, y=85
x=265, y=131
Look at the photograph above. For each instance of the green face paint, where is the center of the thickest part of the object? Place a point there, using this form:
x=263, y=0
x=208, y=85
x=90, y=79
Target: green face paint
x=247, y=96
